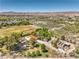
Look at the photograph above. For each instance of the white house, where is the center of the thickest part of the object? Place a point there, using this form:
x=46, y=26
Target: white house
x=27, y=38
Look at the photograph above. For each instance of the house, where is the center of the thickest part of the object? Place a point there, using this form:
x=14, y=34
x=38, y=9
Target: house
x=24, y=42
x=27, y=38
x=23, y=46
x=33, y=37
x=64, y=46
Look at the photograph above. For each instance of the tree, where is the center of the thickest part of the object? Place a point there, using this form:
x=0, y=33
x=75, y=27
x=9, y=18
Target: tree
x=23, y=22
x=43, y=48
x=43, y=33
x=28, y=54
x=54, y=43
x=33, y=54
x=46, y=55
x=62, y=37
x=37, y=44
x=38, y=53
x=77, y=52
x=16, y=35
x=24, y=34
x=2, y=41
x=11, y=41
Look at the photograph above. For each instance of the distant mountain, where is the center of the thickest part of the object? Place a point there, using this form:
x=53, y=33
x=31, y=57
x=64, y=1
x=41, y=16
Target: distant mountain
x=11, y=13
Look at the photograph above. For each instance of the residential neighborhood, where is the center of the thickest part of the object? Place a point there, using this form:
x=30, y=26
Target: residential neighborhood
x=39, y=37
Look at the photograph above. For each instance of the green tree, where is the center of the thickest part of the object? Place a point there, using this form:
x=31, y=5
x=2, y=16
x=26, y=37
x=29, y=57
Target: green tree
x=28, y=54
x=2, y=41
x=43, y=48
x=33, y=54
x=54, y=43
x=24, y=34
x=43, y=33
x=77, y=52
x=38, y=53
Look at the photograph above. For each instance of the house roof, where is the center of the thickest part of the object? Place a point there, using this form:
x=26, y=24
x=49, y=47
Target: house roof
x=33, y=37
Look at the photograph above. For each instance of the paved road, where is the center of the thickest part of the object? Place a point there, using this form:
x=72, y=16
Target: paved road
x=48, y=45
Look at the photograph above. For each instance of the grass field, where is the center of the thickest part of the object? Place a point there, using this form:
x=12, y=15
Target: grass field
x=10, y=30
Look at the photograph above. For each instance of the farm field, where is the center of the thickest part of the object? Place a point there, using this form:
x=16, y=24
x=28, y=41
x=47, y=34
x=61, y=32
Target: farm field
x=16, y=29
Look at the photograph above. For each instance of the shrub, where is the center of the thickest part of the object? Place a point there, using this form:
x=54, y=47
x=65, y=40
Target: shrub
x=28, y=54
x=38, y=53
x=33, y=54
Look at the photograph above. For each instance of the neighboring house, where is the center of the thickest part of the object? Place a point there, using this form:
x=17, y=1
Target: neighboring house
x=23, y=46
x=24, y=41
x=53, y=38
x=64, y=46
x=8, y=21
x=33, y=37
x=27, y=38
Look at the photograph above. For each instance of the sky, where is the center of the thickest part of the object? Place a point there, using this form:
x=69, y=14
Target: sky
x=39, y=5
